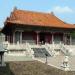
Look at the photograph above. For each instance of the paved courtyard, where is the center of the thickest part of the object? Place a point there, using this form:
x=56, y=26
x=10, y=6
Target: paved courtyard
x=57, y=61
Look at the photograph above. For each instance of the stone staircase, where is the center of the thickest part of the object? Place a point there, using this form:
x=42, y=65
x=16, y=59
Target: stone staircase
x=40, y=52
x=50, y=49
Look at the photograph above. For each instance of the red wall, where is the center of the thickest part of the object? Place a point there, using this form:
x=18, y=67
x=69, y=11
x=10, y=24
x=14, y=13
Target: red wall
x=30, y=33
x=48, y=37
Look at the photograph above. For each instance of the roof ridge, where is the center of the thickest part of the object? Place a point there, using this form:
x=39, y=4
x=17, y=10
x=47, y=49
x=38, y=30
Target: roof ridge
x=32, y=11
x=59, y=19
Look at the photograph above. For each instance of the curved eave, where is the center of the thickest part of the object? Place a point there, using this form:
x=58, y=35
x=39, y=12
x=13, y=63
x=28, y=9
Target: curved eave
x=9, y=24
x=55, y=26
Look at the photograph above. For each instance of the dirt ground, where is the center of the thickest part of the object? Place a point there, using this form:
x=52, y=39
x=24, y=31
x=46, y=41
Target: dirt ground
x=31, y=68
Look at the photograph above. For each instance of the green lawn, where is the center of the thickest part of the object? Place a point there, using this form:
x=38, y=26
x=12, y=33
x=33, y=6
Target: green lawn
x=31, y=68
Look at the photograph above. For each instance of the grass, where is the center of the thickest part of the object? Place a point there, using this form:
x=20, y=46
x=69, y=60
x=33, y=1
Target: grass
x=31, y=68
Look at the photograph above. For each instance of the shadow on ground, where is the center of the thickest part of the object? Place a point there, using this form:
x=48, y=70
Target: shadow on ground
x=6, y=70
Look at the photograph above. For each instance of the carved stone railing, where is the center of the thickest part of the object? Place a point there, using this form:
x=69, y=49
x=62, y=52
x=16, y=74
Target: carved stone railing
x=19, y=48
x=50, y=49
x=71, y=49
x=27, y=48
x=65, y=49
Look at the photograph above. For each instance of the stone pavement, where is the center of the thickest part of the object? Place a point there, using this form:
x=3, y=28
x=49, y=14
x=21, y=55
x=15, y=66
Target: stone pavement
x=57, y=61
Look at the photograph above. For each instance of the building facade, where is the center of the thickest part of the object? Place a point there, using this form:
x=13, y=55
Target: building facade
x=36, y=28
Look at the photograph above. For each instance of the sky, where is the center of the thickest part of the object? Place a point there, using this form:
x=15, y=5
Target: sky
x=63, y=9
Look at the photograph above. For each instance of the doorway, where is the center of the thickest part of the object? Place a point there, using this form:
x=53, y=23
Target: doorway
x=58, y=37
x=68, y=39
x=17, y=37
x=42, y=38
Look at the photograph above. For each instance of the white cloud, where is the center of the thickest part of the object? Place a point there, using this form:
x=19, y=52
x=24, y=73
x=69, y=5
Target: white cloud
x=65, y=9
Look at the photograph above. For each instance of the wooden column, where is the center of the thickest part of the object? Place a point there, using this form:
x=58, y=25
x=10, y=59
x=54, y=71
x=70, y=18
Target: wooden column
x=52, y=38
x=13, y=37
x=37, y=36
x=64, y=37
x=70, y=39
x=21, y=37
